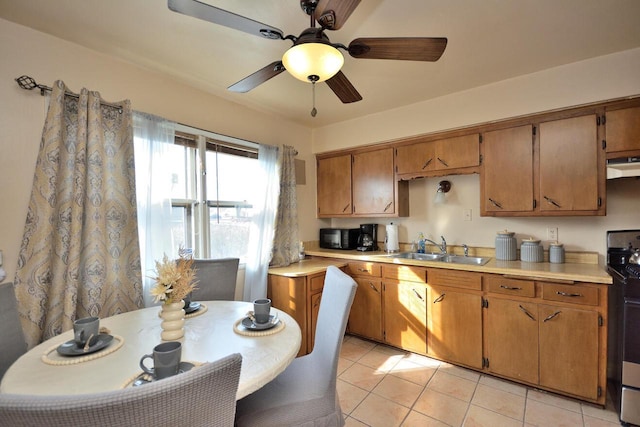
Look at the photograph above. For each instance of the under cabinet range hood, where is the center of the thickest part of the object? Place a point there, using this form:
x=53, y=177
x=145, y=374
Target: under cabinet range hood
x=623, y=167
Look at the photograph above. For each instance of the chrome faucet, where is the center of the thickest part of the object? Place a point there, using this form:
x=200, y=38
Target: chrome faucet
x=442, y=246
x=466, y=249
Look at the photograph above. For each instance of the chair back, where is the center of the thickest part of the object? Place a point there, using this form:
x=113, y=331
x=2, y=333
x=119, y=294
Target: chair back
x=204, y=396
x=12, y=342
x=335, y=305
x=216, y=279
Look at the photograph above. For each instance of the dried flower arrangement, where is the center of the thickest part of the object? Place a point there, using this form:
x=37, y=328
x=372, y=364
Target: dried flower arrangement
x=175, y=279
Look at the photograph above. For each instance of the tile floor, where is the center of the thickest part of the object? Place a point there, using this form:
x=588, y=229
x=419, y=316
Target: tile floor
x=381, y=386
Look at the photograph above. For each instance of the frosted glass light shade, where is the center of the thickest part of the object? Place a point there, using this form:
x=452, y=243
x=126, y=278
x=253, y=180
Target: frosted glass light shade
x=313, y=59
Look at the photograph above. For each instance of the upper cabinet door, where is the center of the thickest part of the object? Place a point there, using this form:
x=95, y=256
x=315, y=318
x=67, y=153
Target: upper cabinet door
x=458, y=152
x=569, y=165
x=334, y=186
x=373, y=182
x=416, y=158
x=507, y=171
x=623, y=130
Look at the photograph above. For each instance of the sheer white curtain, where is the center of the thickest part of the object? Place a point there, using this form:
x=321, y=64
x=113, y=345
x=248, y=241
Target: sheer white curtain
x=152, y=136
x=263, y=224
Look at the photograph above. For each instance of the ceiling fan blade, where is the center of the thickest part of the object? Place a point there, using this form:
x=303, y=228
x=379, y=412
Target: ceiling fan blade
x=403, y=48
x=257, y=78
x=343, y=88
x=342, y=9
x=222, y=17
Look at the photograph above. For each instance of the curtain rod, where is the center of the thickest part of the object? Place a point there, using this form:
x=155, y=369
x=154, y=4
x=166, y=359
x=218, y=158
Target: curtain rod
x=29, y=83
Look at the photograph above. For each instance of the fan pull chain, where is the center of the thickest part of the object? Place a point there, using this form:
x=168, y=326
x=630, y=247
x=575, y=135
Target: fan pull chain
x=313, y=91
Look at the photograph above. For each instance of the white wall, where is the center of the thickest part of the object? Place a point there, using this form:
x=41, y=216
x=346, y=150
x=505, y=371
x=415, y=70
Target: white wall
x=603, y=78
x=25, y=51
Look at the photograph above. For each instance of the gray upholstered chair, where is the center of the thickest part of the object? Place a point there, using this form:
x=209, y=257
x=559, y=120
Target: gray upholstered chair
x=216, y=279
x=12, y=342
x=205, y=396
x=305, y=393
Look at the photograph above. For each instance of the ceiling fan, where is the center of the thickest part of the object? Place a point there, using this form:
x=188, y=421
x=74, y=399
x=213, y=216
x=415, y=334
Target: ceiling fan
x=313, y=58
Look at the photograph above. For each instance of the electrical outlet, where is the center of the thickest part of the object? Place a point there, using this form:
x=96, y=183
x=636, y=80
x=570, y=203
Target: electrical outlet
x=466, y=214
x=552, y=234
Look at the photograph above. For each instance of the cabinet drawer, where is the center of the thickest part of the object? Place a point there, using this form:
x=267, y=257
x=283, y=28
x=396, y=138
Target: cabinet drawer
x=458, y=279
x=500, y=285
x=570, y=293
x=364, y=269
x=408, y=273
x=316, y=283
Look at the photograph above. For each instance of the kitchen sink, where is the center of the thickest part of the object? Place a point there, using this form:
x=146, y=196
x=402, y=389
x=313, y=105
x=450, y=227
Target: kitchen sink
x=460, y=259
x=418, y=256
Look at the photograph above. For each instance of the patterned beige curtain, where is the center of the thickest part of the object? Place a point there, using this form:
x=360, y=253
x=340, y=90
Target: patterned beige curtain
x=285, y=240
x=80, y=254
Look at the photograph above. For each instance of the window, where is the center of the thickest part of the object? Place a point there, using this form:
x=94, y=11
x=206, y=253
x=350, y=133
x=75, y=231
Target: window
x=217, y=171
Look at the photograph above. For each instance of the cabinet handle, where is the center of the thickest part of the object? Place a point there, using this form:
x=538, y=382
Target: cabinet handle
x=417, y=294
x=427, y=163
x=564, y=294
x=317, y=303
x=510, y=288
x=525, y=311
x=363, y=270
x=496, y=204
x=346, y=207
x=552, y=316
x=551, y=201
x=373, y=287
x=443, y=162
x=388, y=206
x=440, y=298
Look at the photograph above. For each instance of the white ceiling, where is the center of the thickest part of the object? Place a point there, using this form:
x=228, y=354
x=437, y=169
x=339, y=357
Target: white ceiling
x=489, y=40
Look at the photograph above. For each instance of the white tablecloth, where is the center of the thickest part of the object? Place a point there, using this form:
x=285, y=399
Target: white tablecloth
x=208, y=337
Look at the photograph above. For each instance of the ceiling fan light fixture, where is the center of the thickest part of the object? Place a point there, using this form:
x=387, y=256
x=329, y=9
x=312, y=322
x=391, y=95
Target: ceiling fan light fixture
x=313, y=59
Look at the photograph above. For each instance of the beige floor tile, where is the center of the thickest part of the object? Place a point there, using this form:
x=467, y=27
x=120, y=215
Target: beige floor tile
x=555, y=400
x=398, y=390
x=362, y=342
x=502, y=402
x=343, y=364
x=349, y=395
x=545, y=415
x=504, y=385
x=362, y=376
x=391, y=350
x=459, y=372
x=442, y=407
x=452, y=385
x=597, y=422
x=414, y=372
x=609, y=414
x=481, y=417
x=376, y=411
x=380, y=360
x=416, y=419
x=423, y=360
x=353, y=350
x=352, y=422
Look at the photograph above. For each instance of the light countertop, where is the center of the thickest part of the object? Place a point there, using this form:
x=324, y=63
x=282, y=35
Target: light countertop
x=306, y=267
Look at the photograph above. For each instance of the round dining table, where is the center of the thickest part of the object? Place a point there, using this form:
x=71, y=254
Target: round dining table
x=213, y=333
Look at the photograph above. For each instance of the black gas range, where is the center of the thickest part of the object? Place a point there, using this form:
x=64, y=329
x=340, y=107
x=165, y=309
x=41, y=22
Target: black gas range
x=624, y=324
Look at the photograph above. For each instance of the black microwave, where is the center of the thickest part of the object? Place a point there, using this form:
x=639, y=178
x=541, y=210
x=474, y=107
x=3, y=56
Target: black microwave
x=339, y=238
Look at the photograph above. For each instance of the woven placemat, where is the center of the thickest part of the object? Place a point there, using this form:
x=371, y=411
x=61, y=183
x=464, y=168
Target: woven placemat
x=51, y=356
x=203, y=309
x=241, y=330
x=129, y=382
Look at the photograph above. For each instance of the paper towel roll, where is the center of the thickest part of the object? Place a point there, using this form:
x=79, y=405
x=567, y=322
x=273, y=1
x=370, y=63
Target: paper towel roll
x=392, y=238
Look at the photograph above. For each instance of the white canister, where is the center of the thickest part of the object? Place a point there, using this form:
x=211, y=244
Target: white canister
x=506, y=246
x=531, y=250
x=556, y=253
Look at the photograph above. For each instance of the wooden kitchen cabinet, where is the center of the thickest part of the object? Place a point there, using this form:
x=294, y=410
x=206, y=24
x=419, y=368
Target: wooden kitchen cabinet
x=571, y=173
x=334, y=186
x=405, y=307
x=432, y=158
x=622, y=129
x=360, y=184
x=507, y=174
x=365, y=318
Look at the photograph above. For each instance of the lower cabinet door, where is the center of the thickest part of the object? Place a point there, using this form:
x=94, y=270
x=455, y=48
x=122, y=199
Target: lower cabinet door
x=405, y=315
x=569, y=350
x=454, y=326
x=365, y=318
x=511, y=337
